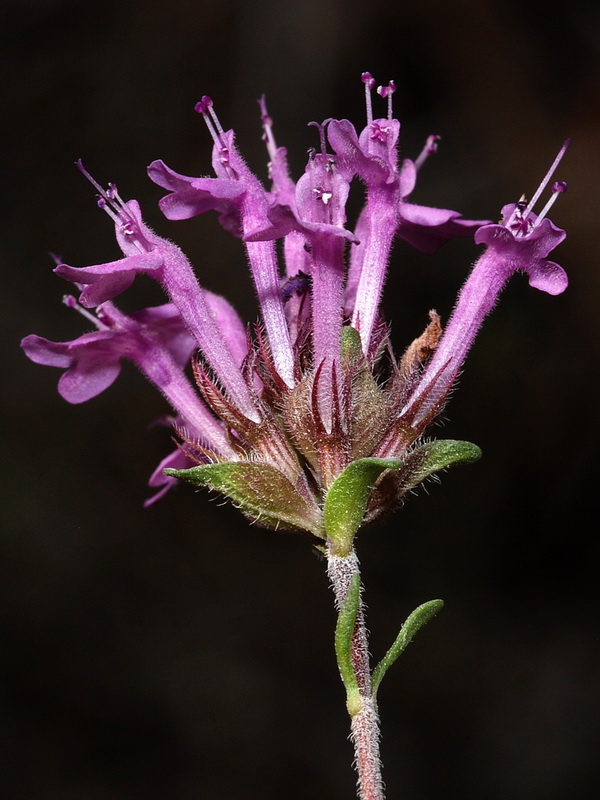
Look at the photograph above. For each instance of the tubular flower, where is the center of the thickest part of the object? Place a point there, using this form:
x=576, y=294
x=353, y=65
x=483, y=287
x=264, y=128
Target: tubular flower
x=308, y=414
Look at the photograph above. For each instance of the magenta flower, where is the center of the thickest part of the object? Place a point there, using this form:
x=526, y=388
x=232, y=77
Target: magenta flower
x=519, y=243
x=306, y=422
x=145, y=252
x=373, y=156
x=282, y=415
x=155, y=340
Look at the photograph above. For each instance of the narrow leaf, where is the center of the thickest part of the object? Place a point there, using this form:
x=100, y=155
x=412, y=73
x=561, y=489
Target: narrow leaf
x=347, y=499
x=344, y=631
x=419, y=617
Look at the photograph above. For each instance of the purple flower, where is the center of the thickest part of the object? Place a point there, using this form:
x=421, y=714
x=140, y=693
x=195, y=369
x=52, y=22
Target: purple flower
x=148, y=253
x=373, y=156
x=292, y=422
x=155, y=340
x=521, y=242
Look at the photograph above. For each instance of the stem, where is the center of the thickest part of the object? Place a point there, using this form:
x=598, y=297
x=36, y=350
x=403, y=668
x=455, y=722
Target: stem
x=365, y=723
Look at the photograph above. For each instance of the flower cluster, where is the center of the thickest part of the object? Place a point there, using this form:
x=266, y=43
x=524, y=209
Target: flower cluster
x=308, y=414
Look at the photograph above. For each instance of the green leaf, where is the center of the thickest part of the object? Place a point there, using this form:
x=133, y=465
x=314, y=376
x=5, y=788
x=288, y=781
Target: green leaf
x=419, y=617
x=435, y=456
x=261, y=491
x=347, y=499
x=344, y=630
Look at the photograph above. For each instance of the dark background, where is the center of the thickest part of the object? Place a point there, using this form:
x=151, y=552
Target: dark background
x=175, y=653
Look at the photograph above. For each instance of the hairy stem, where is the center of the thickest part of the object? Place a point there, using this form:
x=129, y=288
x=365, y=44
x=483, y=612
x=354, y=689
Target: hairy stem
x=364, y=721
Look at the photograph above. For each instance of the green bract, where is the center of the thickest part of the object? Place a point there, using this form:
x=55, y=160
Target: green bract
x=347, y=500
x=260, y=491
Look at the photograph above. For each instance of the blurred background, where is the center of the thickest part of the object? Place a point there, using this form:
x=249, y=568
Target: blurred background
x=174, y=653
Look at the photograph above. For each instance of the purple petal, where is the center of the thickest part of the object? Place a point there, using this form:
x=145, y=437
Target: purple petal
x=352, y=160
x=87, y=379
x=549, y=277
x=544, y=238
x=175, y=460
x=106, y=281
x=193, y=196
x=43, y=351
x=428, y=229
x=92, y=362
x=166, y=323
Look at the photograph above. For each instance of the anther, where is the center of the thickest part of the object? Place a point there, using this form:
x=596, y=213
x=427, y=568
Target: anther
x=369, y=82
x=559, y=187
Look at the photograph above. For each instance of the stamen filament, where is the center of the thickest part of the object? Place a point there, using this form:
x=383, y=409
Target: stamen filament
x=202, y=109
x=369, y=82
x=107, y=200
x=71, y=302
x=267, y=124
x=546, y=180
x=215, y=119
x=321, y=128
x=388, y=91
x=104, y=206
x=110, y=201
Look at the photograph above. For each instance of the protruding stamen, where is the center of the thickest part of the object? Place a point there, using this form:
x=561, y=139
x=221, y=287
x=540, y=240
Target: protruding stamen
x=557, y=188
x=369, y=82
x=431, y=146
x=203, y=104
x=267, y=124
x=203, y=107
x=111, y=202
x=215, y=119
x=547, y=178
x=71, y=302
x=321, y=128
x=387, y=91
x=520, y=214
